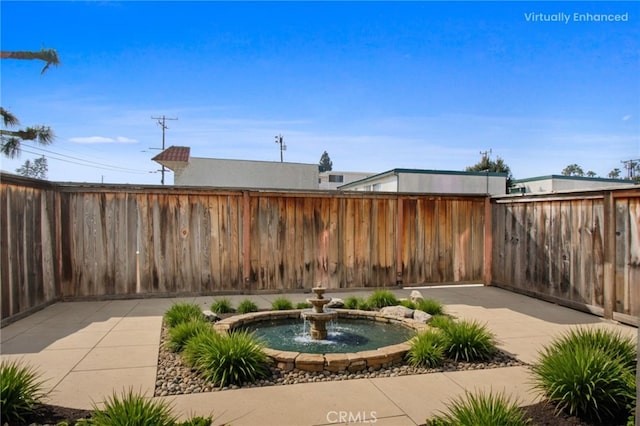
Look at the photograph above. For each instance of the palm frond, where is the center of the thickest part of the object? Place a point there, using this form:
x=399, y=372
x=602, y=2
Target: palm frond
x=8, y=118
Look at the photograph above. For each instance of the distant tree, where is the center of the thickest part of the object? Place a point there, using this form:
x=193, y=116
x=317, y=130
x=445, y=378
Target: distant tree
x=37, y=170
x=325, y=165
x=614, y=174
x=488, y=165
x=591, y=173
x=573, y=170
x=10, y=140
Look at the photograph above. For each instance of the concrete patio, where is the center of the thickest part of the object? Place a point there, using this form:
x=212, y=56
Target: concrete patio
x=88, y=350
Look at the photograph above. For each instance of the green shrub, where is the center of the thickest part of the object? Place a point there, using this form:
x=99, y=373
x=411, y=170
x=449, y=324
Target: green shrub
x=197, y=421
x=468, y=341
x=430, y=306
x=247, y=306
x=303, y=305
x=364, y=305
x=133, y=410
x=427, y=349
x=585, y=380
x=351, y=302
x=481, y=409
x=407, y=304
x=197, y=344
x=235, y=358
x=222, y=306
x=183, y=312
x=609, y=342
x=281, y=304
x=20, y=391
x=181, y=333
x=381, y=298
x=440, y=321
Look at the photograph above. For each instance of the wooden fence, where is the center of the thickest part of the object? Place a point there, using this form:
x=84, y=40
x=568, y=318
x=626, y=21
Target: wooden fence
x=79, y=241
x=68, y=242
x=578, y=249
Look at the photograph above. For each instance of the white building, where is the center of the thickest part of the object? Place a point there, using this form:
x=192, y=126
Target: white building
x=333, y=179
x=194, y=171
x=432, y=181
x=555, y=183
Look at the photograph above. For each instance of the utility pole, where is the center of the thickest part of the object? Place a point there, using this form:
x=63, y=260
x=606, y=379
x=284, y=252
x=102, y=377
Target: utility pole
x=485, y=154
x=283, y=147
x=162, y=123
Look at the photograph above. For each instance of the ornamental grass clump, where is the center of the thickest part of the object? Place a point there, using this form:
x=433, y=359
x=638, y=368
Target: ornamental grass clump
x=183, y=312
x=132, y=410
x=468, y=341
x=351, y=302
x=486, y=409
x=21, y=391
x=427, y=349
x=181, y=333
x=247, y=306
x=381, y=298
x=281, y=304
x=222, y=306
x=303, y=305
x=430, y=306
x=589, y=374
x=231, y=359
x=407, y=303
x=440, y=321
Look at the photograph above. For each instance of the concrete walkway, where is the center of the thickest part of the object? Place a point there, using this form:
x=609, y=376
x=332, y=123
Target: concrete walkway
x=88, y=350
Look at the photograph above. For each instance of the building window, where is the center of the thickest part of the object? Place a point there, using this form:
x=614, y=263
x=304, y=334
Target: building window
x=336, y=178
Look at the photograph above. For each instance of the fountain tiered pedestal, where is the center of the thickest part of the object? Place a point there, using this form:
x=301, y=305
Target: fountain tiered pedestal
x=317, y=316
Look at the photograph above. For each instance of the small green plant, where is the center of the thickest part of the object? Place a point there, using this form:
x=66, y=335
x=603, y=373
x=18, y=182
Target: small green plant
x=364, y=305
x=183, y=312
x=468, y=341
x=352, y=302
x=303, y=305
x=247, y=306
x=481, y=409
x=197, y=421
x=181, y=333
x=132, y=409
x=381, y=298
x=427, y=349
x=222, y=306
x=198, y=344
x=20, y=391
x=612, y=343
x=585, y=379
x=440, y=321
x=281, y=304
x=407, y=304
x=430, y=306
x=235, y=358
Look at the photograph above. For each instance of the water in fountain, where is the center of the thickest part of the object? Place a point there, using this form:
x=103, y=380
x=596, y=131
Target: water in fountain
x=313, y=336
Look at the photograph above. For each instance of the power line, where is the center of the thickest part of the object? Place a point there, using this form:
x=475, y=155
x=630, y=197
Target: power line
x=103, y=167
x=162, y=123
x=82, y=159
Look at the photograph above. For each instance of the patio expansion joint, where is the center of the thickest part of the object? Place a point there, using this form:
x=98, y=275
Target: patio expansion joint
x=73, y=367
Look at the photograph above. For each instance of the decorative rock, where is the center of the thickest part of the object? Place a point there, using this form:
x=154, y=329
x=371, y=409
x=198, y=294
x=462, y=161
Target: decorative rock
x=335, y=303
x=397, y=311
x=211, y=316
x=421, y=316
x=416, y=296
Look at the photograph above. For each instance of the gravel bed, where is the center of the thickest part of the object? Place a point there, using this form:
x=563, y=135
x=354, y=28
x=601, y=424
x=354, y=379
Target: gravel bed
x=174, y=377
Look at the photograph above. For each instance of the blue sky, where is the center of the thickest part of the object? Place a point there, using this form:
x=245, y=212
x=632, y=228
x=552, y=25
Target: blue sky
x=380, y=85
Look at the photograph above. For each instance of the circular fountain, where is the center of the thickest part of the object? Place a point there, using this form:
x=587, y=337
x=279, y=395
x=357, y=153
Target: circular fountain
x=357, y=340
x=317, y=316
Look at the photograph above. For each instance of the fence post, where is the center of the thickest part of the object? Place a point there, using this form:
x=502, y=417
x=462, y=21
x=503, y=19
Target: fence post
x=609, y=255
x=488, y=241
x=399, y=244
x=246, y=239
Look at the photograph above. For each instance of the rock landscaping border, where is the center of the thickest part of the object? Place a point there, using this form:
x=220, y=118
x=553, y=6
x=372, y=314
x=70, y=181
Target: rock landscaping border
x=335, y=362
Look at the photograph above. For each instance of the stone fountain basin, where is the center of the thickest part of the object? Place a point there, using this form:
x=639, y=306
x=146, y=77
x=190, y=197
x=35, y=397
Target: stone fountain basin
x=334, y=362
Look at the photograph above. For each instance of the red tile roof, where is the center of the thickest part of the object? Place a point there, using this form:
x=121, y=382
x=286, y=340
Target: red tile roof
x=174, y=153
